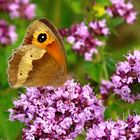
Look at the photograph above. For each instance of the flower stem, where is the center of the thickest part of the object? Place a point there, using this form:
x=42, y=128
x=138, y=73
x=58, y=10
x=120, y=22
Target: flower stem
x=106, y=76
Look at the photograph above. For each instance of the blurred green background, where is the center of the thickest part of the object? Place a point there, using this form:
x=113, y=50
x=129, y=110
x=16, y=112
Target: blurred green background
x=64, y=13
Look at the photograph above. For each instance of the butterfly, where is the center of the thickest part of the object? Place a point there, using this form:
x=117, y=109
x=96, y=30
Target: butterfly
x=41, y=58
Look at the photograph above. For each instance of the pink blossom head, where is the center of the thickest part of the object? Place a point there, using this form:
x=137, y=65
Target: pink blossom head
x=57, y=113
x=126, y=80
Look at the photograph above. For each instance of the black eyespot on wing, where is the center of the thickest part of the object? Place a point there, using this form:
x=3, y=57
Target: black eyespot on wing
x=42, y=37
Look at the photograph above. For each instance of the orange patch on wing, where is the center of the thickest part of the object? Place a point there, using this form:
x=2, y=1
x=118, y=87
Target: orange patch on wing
x=54, y=50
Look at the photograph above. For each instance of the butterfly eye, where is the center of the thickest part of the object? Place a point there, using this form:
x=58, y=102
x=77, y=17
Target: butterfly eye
x=42, y=37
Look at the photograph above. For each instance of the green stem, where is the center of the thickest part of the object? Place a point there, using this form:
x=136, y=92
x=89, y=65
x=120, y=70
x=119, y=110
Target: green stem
x=57, y=12
x=106, y=76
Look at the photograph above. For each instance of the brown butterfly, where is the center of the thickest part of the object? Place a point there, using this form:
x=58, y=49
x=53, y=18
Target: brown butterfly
x=41, y=59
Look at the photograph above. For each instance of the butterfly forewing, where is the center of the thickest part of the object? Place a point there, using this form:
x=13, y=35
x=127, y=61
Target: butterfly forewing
x=39, y=62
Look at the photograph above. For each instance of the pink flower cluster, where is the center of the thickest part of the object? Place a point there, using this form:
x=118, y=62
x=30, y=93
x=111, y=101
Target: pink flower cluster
x=83, y=42
x=120, y=130
x=125, y=82
x=122, y=9
x=18, y=8
x=15, y=8
x=106, y=87
x=7, y=33
x=57, y=113
x=99, y=27
x=22, y=8
x=83, y=38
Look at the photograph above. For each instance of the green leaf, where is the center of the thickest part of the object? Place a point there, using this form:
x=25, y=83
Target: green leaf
x=114, y=22
x=71, y=56
x=75, y=5
x=110, y=64
x=117, y=108
x=80, y=137
x=94, y=70
x=8, y=130
x=103, y=2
